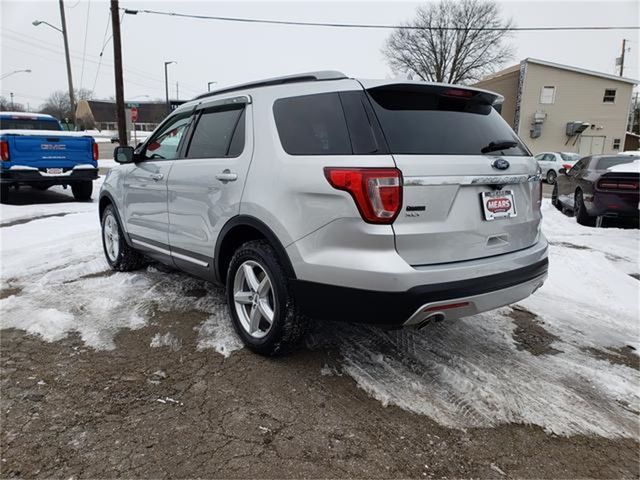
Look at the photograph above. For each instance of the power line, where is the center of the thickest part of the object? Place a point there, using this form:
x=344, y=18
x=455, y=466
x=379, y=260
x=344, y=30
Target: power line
x=380, y=26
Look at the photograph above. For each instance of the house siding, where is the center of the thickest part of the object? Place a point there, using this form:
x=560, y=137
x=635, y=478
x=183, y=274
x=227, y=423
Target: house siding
x=507, y=86
x=578, y=97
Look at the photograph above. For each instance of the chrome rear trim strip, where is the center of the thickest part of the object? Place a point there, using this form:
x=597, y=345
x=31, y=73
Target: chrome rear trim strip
x=469, y=180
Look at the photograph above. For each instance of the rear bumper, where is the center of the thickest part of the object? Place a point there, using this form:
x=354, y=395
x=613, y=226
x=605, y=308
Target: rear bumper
x=36, y=176
x=414, y=306
x=619, y=205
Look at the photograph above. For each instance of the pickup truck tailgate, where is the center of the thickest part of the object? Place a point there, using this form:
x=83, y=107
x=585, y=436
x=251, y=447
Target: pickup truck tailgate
x=49, y=151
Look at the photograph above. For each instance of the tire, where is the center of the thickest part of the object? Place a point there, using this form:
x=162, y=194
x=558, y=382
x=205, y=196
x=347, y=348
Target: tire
x=580, y=211
x=82, y=190
x=250, y=315
x=120, y=256
x=551, y=177
x=554, y=198
x=4, y=192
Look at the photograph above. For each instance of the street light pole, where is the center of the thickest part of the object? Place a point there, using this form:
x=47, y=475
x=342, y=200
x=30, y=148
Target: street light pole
x=28, y=70
x=72, y=97
x=11, y=93
x=166, y=85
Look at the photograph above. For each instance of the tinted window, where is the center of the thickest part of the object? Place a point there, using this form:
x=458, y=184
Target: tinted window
x=312, y=125
x=213, y=133
x=570, y=157
x=606, y=162
x=29, y=124
x=441, y=121
x=164, y=144
x=364, y=131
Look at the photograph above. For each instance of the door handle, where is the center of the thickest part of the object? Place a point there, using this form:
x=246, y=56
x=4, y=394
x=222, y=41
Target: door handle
x=227, y=176
x=157, y=176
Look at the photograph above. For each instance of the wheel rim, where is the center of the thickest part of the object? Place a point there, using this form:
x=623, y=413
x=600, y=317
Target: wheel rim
x=111, y=237
x=254, y=299
x=551, y=176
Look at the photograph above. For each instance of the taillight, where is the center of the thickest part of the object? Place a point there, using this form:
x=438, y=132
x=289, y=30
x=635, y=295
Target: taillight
x=617, y=185
x=4, y=150
x=567, y=166
x=95, y=151
x=376, y=191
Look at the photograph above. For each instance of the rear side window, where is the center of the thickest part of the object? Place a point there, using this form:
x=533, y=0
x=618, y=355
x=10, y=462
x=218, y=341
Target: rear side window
x=607, y=162
x=423, y=120
x=29, y=124
x=312, y=125
x=214, y=134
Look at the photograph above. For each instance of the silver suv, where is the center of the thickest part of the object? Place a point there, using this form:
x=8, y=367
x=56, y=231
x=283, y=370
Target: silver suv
x=322, y=196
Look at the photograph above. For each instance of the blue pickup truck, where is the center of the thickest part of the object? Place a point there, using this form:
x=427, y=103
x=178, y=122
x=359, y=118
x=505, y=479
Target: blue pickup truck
x=36, y=151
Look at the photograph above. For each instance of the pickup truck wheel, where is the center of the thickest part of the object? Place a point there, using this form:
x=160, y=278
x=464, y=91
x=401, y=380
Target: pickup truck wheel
x=4, y=192
x=82, y=190
x=263, y=309
x=120, y=256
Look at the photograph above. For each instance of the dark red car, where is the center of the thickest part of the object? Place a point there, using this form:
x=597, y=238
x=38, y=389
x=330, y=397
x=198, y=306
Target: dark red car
x=599, y=186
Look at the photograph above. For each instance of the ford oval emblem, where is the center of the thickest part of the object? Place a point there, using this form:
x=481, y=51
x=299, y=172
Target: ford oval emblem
x=500, y=164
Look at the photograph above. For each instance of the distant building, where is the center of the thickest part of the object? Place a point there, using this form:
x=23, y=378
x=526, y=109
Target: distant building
x=555, y=107
x=101, y=114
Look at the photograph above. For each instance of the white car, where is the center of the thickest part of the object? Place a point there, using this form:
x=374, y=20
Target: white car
x=551, y=162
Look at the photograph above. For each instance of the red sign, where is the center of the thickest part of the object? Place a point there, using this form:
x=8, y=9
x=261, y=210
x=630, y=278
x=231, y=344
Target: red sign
x=498, y=205
x=134, y=114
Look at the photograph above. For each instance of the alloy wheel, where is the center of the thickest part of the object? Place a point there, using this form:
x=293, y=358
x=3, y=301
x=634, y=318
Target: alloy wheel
x=111, y=237
x=254, y=299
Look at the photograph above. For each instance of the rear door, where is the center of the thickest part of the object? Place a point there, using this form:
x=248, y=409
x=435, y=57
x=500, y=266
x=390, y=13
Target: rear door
x=206, y=185
x=145, y=186
x=471, y=188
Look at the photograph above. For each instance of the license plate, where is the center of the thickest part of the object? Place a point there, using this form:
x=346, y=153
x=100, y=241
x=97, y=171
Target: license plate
x=54, y=171
x=498, y=204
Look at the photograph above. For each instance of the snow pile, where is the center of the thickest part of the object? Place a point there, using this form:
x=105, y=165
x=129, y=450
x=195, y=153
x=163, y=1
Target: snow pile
x=166, y=340
x=218, y=334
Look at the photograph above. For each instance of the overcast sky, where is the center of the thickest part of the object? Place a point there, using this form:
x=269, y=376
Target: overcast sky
x=234, y=52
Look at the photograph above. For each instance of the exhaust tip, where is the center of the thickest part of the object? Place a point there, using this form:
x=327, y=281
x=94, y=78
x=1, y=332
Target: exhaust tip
x=436, y=317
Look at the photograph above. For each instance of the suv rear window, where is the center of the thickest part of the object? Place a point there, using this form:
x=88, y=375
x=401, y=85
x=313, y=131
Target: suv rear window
x=607, y=162
x=29, y=124
x=436, y=120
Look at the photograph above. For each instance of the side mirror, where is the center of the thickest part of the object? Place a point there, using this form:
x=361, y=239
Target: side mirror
x=562, y=171
x=123, y=154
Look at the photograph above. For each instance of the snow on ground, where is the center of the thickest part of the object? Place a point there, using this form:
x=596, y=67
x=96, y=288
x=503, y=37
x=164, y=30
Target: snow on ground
x=468, y=373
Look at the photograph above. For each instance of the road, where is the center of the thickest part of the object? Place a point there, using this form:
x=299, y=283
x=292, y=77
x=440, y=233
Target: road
x=139, y=374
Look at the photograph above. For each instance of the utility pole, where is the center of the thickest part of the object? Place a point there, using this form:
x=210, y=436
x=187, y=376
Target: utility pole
x=72, y=96
x=117, y=60
x=177, y=92
x=624, y=47
x=11, y=93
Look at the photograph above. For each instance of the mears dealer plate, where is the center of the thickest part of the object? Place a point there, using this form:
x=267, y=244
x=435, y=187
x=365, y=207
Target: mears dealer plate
x=499, y=204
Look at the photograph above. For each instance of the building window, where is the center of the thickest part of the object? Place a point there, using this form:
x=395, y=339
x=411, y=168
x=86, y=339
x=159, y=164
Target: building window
x=609, y=96
x=548, y=94
x=616, y=144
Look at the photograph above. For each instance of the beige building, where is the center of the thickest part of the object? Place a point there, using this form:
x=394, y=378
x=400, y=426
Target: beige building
x=554, y=107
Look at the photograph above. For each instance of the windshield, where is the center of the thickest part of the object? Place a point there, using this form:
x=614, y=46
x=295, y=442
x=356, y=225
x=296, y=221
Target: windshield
x=442, y=121
x=570, y=157
x=26, y=123
x=607, y=162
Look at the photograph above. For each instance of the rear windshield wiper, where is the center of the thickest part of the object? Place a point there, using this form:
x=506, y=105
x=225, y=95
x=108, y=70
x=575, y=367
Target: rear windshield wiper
x=501, y=145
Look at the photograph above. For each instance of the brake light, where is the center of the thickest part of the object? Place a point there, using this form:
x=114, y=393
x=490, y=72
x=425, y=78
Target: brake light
x=567, y=166
x=95, y=151
x=455, y=92
x=4, y=150
x=377, y=192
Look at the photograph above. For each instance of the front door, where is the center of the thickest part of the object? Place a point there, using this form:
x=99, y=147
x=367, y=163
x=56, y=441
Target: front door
x=206, y=186
x=145, y=186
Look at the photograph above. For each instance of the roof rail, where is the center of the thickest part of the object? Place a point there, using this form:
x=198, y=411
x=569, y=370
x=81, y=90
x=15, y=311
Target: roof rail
x=299, y=77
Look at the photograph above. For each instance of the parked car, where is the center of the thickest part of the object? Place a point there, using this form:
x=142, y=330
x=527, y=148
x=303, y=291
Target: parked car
x=599, y=186
x=37, y=152
x=318, y=195
x=551, y=162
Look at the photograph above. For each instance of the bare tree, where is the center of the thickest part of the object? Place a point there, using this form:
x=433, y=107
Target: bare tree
x=7, y=105
x=59, y=105
x=451, y=42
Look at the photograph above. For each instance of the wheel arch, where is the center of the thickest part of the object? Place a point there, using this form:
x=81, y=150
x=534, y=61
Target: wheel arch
x=241, y=229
